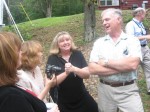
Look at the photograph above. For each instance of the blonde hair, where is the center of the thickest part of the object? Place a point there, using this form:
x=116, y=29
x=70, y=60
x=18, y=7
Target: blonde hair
x=30, y=50
x=10, y=45
x=54, y=49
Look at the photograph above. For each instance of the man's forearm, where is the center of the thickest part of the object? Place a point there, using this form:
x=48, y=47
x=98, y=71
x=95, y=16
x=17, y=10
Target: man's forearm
x=144, y=37
x=125, y=64
x=96, y=69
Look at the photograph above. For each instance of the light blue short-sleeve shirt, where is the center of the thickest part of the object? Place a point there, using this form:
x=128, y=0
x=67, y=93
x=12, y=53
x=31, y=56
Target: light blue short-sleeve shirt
x=136, y=29
x=125, y=46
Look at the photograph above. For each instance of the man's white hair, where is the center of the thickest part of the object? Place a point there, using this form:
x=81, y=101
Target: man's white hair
x=138, y=11
x=114, y=11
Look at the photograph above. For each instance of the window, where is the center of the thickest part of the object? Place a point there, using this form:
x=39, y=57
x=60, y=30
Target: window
x=109, y=2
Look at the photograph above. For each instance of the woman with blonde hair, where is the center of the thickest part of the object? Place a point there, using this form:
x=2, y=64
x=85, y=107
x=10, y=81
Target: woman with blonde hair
x=70, y=92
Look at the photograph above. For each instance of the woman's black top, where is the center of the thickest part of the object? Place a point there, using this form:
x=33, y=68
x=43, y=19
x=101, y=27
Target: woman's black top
x=72, y=94
x=14, y=99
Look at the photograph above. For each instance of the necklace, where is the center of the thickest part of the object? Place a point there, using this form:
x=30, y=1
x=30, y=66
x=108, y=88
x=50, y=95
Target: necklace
x=66, y=58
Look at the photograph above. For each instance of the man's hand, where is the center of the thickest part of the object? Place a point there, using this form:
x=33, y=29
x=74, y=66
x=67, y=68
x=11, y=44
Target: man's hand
x=103, y=62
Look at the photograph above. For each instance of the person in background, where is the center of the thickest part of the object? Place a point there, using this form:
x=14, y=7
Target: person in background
x=136, y=28
x=30, y=76
x=115, y=59
x=72, y=95
x=12, y=97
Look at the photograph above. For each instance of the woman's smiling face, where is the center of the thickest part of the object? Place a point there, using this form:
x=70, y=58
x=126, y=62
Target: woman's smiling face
x=64, y=43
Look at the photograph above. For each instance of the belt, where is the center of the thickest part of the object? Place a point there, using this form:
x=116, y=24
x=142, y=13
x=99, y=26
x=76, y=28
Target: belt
x=143, y=45
x=117, y=84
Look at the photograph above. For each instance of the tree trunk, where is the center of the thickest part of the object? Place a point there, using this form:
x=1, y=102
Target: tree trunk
x=49, y=8
x=89, y=20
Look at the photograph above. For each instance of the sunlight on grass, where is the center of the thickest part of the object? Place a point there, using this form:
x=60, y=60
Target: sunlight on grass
x=53, y=21
x=44, y=22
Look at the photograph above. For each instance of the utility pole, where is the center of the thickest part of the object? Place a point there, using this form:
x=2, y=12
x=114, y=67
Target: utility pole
x=12, y=19
x=1, y=14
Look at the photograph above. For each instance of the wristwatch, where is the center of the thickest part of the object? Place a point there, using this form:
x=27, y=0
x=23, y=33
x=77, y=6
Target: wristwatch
x=106, y=62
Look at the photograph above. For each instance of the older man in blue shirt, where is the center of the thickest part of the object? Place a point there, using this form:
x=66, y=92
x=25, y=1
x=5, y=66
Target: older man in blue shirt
x=136, y=28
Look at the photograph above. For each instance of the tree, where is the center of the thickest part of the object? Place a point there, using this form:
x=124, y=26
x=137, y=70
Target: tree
x=38, y=8
x=49, y=8
x=89, y=20
x=44, y=6
x=66, y=7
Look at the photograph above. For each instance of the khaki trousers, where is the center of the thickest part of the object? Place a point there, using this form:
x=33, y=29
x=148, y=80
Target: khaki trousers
x=126, y=98
x=145, y=64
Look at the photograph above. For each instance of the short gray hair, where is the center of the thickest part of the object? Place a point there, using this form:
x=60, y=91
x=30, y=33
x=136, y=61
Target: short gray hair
x=114, y=11
x=138, y=11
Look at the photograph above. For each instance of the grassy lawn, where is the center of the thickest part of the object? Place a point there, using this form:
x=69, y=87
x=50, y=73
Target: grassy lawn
x=143, y=91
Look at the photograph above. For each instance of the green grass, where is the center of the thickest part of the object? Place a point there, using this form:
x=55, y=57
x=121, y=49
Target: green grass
x=45, y=22
x=27, y=28
x=143, y=90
